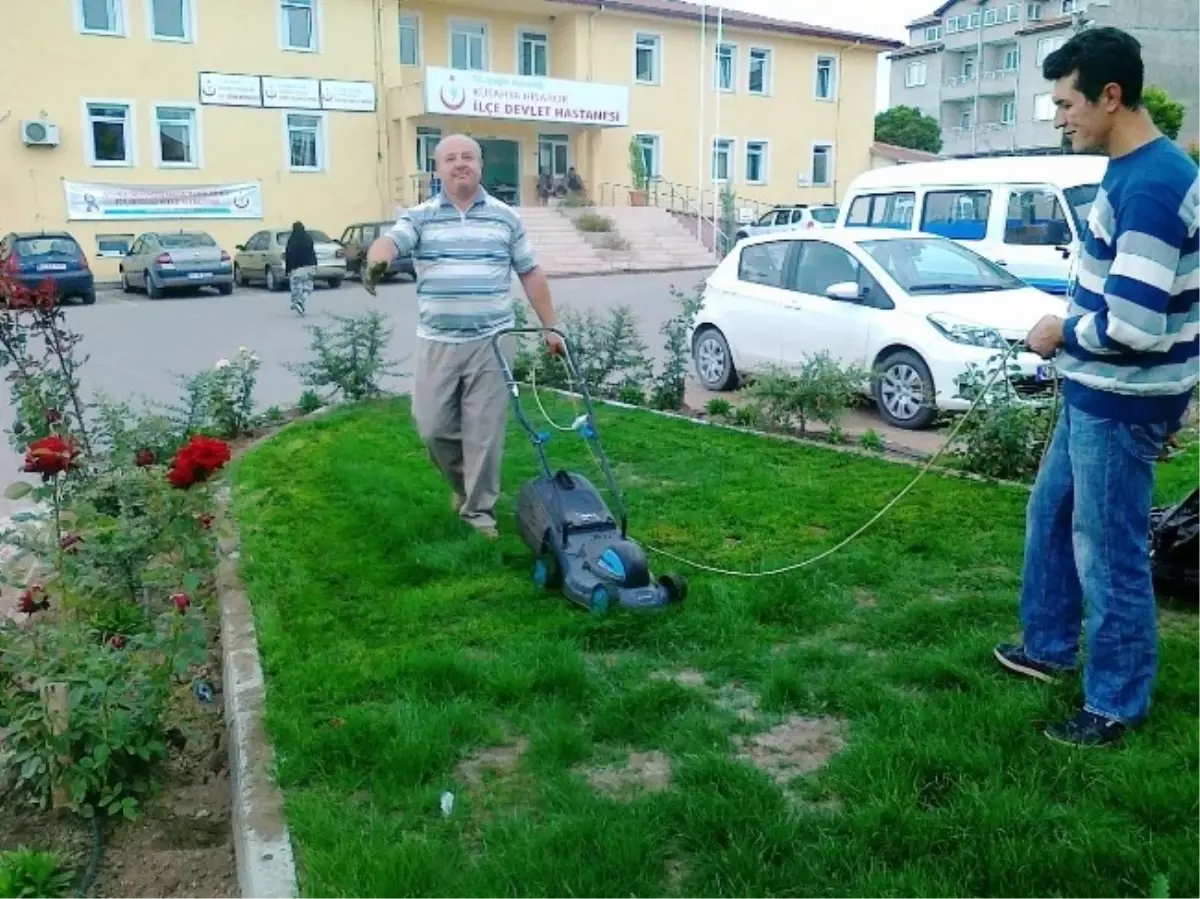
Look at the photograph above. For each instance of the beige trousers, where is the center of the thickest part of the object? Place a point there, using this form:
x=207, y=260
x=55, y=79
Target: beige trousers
x=460, y=403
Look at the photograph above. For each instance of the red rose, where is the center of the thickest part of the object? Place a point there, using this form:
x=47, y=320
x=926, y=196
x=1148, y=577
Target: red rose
x=144, y=458
x=50, y=456
x=181, y=600
x=116, y=641
x=206, y=520
x=197, y=459
x=33, y=599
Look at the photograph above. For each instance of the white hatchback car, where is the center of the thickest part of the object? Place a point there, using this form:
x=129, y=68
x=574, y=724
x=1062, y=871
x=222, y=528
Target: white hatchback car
x=914, y=309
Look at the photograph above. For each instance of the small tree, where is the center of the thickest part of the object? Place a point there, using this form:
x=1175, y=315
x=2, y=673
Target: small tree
x=1166, y=111
x=907, y=126
x=637, y=165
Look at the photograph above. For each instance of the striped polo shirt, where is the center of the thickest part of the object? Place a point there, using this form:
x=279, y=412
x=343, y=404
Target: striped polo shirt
x=1132, y=336
x=464, y=263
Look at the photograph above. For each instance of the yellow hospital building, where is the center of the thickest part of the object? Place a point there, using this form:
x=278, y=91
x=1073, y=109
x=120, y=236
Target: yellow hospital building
x=123, y=116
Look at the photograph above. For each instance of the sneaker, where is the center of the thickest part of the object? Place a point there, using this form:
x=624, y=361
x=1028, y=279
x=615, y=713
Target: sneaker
x=1085, y=730
x=1014, y=659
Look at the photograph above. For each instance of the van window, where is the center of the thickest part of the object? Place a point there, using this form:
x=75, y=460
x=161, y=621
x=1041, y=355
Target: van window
x=1036, y=219
x=957, y=214
x=882, y=211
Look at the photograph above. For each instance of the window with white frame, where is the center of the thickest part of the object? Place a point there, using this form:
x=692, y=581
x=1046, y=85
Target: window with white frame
x=1012, y=59
x=760, y=71
x=110, y=134
x=176, y=136
x=975, y=17
x=826, y=77
x=822, y=165
x=933, y=33
x=991, y=16
x=952, y=25
x=1033, y=12
x=756, y=162
x=306, y=150
x=964, y=120
x=113, y=246
x=915, y=74
x=968, y=66
x=1043, y=107
x=468, y=46
x=427, y=141
x=723, y=71
x=1012, y=12
x=101, y=16
x=1070, y=6
x=1048, y=45
x=171, y=20
x=650, y=146
x=1008, y=112
x=722, y=159
x=534, y=53
x=410, y=40
x=298, y=23
x=646, y=62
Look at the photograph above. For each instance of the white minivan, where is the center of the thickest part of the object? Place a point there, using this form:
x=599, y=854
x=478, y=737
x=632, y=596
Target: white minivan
x=1025, y=213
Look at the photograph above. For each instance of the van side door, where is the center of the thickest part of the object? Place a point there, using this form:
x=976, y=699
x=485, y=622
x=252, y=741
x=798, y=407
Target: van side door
x=1036, y=241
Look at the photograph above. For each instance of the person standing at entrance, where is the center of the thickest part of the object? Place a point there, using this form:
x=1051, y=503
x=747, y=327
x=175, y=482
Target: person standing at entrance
x=466, y=245
x=1127, y=352
x=299, y=264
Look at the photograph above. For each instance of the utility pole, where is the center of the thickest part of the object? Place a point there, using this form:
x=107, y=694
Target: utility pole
x=978, y=80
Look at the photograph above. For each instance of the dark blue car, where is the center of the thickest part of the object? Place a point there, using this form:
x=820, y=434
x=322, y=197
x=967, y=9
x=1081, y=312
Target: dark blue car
x=33, y=257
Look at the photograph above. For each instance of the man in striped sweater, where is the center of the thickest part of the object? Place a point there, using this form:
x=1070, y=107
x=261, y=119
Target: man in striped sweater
x=1127, y=352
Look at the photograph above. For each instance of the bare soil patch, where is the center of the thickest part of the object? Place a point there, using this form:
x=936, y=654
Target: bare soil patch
x=798, y=746
x=490, y=763
x=642, y=772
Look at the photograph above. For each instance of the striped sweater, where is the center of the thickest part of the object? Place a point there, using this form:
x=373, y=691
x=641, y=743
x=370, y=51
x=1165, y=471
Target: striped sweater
x=1131, y=337
x=464, y=263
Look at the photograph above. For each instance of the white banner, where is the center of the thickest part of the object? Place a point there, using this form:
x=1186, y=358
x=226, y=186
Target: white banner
x=349, y=96
x=217, y=89
x=493, y=96
x=291, y=93
x=117, y=202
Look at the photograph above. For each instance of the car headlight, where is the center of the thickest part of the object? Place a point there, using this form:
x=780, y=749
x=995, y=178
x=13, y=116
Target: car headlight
x=967, y=333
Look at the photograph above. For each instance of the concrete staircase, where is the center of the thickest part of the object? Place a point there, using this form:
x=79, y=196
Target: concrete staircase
x=657, y=240
x=561, y=249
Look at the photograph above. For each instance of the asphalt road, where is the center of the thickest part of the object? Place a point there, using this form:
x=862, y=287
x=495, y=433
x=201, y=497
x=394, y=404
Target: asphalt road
x=138, y=347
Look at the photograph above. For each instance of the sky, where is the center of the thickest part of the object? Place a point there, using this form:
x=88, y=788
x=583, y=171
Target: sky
x=881, y=18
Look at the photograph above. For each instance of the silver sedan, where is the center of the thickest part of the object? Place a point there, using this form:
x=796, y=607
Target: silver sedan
x=159, y=261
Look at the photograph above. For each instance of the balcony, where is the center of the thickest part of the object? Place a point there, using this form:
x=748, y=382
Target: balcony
x=493, y=95
x=958, y=87
x=988, y=137
x=998, y=81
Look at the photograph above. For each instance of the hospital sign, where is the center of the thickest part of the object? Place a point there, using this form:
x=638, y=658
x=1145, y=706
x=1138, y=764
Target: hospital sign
x=522, y=98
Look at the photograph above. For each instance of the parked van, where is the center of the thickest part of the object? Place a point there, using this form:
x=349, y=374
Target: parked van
x=1025, y=213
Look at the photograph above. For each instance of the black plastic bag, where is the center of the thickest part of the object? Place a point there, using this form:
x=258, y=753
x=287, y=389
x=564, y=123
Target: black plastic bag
x=1175, y=547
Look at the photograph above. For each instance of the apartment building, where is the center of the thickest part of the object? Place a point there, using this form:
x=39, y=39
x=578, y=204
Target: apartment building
x=118, y=116
x=976, y=65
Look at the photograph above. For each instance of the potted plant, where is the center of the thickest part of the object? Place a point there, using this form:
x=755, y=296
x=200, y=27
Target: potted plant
x=637, y=173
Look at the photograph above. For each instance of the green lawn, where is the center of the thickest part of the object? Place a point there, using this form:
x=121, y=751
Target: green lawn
x=405, y=657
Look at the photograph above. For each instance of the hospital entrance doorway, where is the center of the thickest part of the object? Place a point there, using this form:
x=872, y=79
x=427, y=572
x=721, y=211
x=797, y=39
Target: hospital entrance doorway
x=502, y=169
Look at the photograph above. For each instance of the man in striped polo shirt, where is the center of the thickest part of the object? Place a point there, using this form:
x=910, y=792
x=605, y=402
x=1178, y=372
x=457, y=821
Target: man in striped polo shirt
x=1127, y=351
x=465, y=245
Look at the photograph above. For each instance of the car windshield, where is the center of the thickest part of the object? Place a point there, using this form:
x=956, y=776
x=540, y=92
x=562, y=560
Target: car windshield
x=932, y=265
x=317, y=236
x=1080, y=199
x=826, y=215
x=46, y=246
x=183, y=241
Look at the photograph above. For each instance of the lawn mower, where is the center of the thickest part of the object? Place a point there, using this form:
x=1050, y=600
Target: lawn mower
x=579, y=546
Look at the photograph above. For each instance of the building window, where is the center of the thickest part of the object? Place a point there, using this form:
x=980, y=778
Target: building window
x=533, y=53
x=722, y=159
x=427, y=141
x=298, y=23
x=1012, y=12
x=650, y=147
x=915, y=74
x=725, y=65
x=113, y=246
x=177, y=142
x=756, y=162
x=1070, y=6
x=1008, y=112
x=974, y=21
x=991, y=17
x=826, y=77
x=1048, y=45
x=760, y=71
x=1043, y=107
x=952, y=25
x=822, y=165
x=964, y=120
x=1012, y=59
x=110, y=134
x=101, y=16
x=306, y=149
x=410, y=41
x=170, y=20
x=1033, y=12
x=933, y=33
x=468, y=42
x=646, y=58
x=968, y=67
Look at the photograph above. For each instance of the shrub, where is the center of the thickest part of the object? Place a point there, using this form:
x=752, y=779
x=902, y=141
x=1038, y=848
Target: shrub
x=671, y=382
x=29, y=872
x=594, y=223
x=870, y=440
x=719, y=407
x=349, y=359
x=820, y=389
x=576, y=201
x=309, y=402
x=614, y=241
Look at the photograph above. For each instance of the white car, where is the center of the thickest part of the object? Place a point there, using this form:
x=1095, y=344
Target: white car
x=914, y=309
x=790, y=218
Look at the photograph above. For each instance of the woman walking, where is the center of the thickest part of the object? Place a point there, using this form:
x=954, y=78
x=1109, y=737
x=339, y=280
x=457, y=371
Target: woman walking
x=299, y=264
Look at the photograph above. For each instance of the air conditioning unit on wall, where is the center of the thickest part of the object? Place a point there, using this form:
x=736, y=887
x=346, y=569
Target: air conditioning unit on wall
x=39, y=133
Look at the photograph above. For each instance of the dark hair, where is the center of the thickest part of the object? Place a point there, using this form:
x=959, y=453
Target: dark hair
x=297, y=226
x=1099, y=57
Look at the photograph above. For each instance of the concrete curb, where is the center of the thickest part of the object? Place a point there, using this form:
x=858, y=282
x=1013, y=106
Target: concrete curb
x=266, y=866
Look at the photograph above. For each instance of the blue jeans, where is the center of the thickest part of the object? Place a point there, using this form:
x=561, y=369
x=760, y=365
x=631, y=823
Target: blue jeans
x=1087, y=538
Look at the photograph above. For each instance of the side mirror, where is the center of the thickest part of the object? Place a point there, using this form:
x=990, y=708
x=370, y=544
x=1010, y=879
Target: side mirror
x=845, y=291
x=240, y=247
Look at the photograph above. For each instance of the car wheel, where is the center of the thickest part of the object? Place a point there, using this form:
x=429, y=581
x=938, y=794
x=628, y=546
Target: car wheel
x=334, y=283
x=714, y=362
x=88, y=298
x=225, y=289
x=904, y=391
x=272, y=281
x=741, y=235
x=153, y=291
x=240, y=277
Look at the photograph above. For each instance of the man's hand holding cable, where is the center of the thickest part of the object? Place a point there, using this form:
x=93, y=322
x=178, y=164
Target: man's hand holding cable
x=379, y=258
x=1046, y=336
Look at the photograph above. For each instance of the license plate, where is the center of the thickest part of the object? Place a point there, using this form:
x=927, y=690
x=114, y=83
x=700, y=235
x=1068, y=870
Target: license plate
x=52, y=267
x=199, y=276
x=1046, y=373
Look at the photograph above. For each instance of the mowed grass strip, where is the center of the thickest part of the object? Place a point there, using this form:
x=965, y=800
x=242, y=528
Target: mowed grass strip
x=837, y=731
